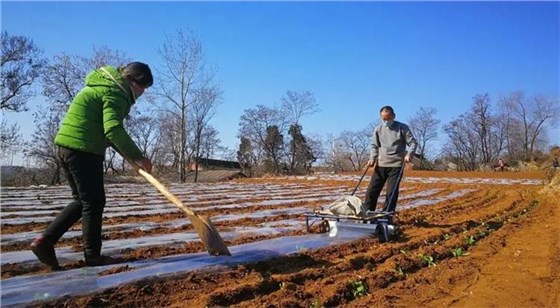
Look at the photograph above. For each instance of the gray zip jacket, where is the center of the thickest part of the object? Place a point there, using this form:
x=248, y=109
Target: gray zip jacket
x=388, y=144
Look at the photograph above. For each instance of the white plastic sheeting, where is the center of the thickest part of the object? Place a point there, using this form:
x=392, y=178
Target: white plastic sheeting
x=27, y=289
x=114, y=247
x=426, y=180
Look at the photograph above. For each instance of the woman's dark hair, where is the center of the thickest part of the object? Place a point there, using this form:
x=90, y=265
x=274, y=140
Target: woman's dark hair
x=139, y=72
x=387, y=108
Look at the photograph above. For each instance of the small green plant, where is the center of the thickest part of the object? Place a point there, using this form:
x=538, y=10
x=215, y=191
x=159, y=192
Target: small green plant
x=471, y=240
x=427, y=242
x=358, y=288
x=428, y=260
x=315, y=303
x=446, y=236
x=400, y=273
x=457, y=252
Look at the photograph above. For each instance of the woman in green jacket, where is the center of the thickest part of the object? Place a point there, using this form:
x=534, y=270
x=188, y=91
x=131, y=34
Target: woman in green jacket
x=94, y=121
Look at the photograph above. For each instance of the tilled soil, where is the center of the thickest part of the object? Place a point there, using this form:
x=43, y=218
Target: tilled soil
x=495, y=246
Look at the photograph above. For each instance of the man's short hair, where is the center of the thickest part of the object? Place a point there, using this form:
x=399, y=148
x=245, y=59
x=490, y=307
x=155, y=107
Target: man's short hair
x=387, y=108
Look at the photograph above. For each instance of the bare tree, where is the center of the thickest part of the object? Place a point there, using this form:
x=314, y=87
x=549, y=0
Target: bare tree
x=463, y=144
x=20, y=64
x=477, y=137
x=182, y=75
x=10, y=140
x=298, y=104
x=167, y=146
x=206, y=99
x=142, y=128
x=315, y=143
x=63, y=79
x=349, y=151
x=336, y=155
x=254, y=123
x=487, y=128
x=109, y=162
x=42, y=146
x=532, y=115
x=424, y=127
x=210, y=145
x=513, y=130
x=356, y=147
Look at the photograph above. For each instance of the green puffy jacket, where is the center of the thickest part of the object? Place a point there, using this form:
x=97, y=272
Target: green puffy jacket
x=95, y=116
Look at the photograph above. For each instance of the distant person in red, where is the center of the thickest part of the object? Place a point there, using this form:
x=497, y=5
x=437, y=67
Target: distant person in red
x=501, y=164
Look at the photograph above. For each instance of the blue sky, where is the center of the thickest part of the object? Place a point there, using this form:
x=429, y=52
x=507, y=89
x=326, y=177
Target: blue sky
x=355, y=56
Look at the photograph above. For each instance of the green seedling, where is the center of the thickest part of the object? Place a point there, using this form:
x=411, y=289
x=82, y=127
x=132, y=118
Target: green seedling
x=471, y=240
x=315, y=303
x=427, y=242
x=428, y=260
x=457, y=252
x=358, y=289
x=446, y=236
x=400, y=273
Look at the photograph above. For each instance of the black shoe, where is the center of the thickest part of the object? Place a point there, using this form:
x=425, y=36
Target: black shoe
x=102, y=260
x=45, y=253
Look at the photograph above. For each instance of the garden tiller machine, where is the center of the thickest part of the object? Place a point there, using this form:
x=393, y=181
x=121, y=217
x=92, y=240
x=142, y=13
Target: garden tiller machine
x=373, y=223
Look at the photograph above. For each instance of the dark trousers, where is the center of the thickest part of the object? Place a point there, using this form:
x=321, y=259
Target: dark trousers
x=380, y=176
x=84, y=172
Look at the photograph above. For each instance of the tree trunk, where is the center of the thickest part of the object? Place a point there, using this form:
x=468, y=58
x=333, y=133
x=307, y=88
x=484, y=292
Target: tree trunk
x=197, y=154
x=182, y=171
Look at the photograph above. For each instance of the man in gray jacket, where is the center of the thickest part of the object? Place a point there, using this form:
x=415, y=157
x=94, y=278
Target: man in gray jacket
x=389, y=142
